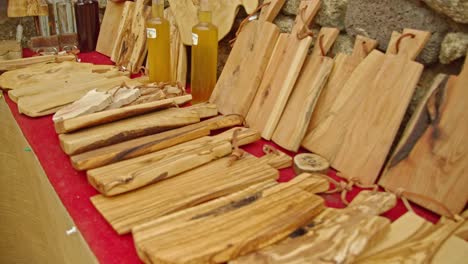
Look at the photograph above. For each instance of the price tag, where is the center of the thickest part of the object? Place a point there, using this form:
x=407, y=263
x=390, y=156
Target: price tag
x=194, y=39
x=151, y=33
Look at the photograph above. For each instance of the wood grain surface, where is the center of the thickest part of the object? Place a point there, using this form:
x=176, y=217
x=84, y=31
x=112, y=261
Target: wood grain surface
x=109, y=28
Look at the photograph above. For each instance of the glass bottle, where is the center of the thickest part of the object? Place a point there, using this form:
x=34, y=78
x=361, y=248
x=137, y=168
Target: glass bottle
x=204, y=55
x=87, y=24
x=158, y=39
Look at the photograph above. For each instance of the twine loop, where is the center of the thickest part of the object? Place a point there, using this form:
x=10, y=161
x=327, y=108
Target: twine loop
x=247, y=20
x=305, y=30
x=237, y=153
x=397, y=45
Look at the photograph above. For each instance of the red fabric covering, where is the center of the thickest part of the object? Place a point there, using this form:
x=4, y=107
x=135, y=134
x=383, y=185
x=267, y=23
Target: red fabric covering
x=74, y=190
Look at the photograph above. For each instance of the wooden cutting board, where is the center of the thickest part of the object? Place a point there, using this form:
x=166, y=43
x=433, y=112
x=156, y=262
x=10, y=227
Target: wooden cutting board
x=130, y=44
x=344, y=65
x=211, y=181
x=144, y=145
x=246, y=64
x=366, y=116
x=297, y=113
x=276, y=86
x=334, y=236
x=236, y=229
x=431, y=158
x=223, y=15
x=22, y=8
x=48, y=103
x=126, y=129
x=109, y=27
x=178, y=50
x=9, y=65
x=134, y=173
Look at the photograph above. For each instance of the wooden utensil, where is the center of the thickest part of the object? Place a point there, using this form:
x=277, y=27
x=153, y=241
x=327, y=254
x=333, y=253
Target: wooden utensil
x=109, y=28
x=134, y=173
x=144, y=145
x=344, y=65
x=277, y=85
x=126, y=129
x=210, y=181
x=367, y=114
x=103, y=117
x=334, y=236
x=243, y=71
x=130, y=44
x=430, y=159
x=298, y=111
x=223, y=12
x=230, y=231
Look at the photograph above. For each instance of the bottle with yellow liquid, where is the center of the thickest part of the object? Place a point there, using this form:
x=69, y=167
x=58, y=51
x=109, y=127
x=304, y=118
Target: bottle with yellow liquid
x=204, y=55
x=158, y=38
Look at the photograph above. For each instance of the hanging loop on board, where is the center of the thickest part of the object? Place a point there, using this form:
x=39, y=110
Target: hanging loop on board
x=237, y=153
x=364, y=48
x=397, y=45
x=322, y=49
x=305, y=31
x=247, y=20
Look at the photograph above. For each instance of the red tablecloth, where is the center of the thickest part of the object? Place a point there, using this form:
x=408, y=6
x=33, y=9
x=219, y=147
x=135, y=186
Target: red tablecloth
x=74, y=190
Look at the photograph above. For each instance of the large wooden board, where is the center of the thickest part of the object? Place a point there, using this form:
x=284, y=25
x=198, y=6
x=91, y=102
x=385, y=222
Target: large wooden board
x=48, y=103
x=297, y=113
x=223, y=12
x=276, y=86
x=130, y=174
x=357, y=137
x=144, y=145
x=211, y=181
x=116, y=132
x=107, y=116
x=431, y=159
x=109, y=27
x=334, y=236
x=244, y=69
x=130, y=44
x=178, y=50
x=230, y=231
x=344, y=65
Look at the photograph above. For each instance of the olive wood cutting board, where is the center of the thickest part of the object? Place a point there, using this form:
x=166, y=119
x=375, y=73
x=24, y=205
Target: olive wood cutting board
x=277, y=85
x=297, y=113
x=334, y=236
x=9, y=65
x=243, y=71
x=130, y=44
x=48, y=103
x=107, y=116
x=367, y=113
x=109, y=27
x=147, y=124
x=144, y=145
x=223, y=15
x=134, y=173
x=210, y=181
x=432, y=157
x=344, y=65
x=232, y=230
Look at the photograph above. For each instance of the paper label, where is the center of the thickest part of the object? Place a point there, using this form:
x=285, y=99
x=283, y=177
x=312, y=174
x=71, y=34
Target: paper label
x=194, y=39
x=151, y=33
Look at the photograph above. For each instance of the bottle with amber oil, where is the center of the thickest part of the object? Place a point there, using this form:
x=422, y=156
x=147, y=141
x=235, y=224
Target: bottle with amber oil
x=204, y=55
x=158, y=38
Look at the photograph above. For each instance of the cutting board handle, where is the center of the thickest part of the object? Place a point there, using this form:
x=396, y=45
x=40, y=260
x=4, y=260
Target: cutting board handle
x=270, y=11
x=363, y=46
x=409, y=44
x=306, y=12
x=325, y=40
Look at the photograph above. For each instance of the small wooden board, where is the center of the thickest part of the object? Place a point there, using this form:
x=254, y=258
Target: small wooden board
x=211, y=181
x=223, y=12
x=22, y=8
x=116, y=132
x=276, y=86
x=130, y=44
x=310, y=163
x=259, y=220
x=144, y=145
x=432, y=157
x=109, y=27
x=344, y=65
x=178, y=50
x=334, y=236
x=10, y=49
x=356, y=139
x=9, y=65
x=244, y=69
x=297, y=113
x=154, y=167
x=107, y=116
